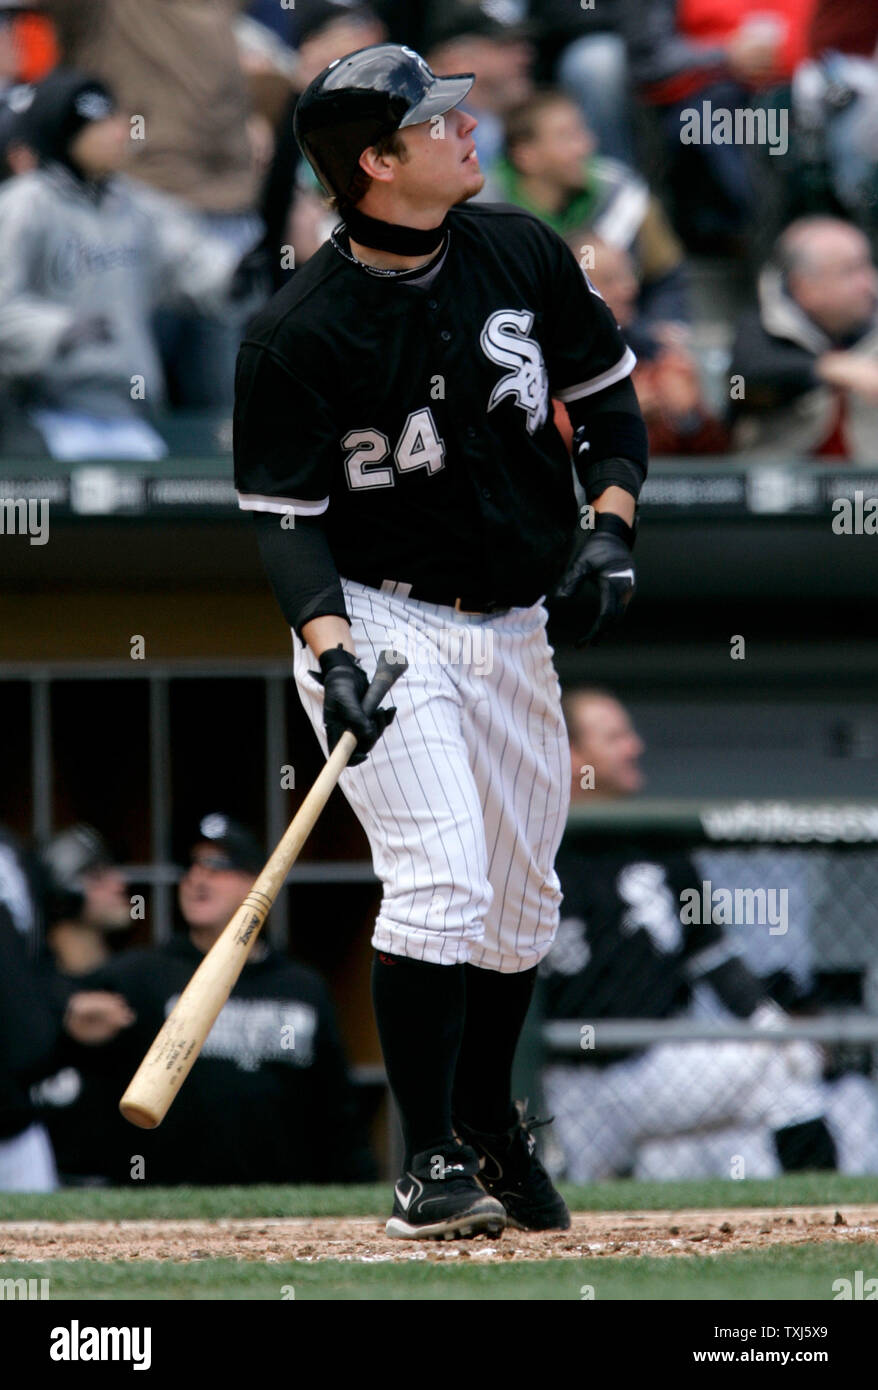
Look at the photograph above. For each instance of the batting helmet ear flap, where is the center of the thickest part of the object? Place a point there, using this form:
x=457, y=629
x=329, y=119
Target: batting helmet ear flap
x=63, y=862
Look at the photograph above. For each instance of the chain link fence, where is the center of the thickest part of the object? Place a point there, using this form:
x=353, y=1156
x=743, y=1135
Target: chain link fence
x=710, y=1007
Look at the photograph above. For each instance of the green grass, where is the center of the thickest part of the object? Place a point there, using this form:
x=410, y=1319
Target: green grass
x=116, y=1204
x=782, y=1272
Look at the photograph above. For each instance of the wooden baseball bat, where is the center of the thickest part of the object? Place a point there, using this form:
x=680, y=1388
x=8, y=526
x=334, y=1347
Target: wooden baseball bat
x=181, y=1037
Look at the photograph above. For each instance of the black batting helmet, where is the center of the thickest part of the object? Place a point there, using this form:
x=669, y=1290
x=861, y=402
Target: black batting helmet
x=358, y=99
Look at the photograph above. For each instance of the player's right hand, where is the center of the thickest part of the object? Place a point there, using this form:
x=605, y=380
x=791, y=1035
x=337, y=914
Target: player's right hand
x=344, y=684
x=605, y=562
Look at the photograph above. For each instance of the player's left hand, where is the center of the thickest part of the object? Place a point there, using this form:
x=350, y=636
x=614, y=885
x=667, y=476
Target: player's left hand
x=605, y=561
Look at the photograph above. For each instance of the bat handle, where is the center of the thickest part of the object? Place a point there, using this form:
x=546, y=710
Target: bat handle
x=391, y=665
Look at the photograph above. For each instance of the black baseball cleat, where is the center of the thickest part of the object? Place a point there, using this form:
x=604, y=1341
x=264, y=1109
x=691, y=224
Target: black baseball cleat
x=513, y=1174
x=440, y=1198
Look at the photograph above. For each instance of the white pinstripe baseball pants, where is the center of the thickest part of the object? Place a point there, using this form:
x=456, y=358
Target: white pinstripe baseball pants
x=465, y=796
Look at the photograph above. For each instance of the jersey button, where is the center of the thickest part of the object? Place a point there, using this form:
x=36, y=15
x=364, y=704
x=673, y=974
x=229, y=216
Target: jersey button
x=432, y=303
x=486, y=493
x=445, y=336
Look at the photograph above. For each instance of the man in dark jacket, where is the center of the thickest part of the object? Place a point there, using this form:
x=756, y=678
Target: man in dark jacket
x=804, y=371
x=269, y=1099
x=41, y=1021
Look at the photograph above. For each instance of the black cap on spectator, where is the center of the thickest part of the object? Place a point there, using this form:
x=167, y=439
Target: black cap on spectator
x=232, y=841
x=64, y=103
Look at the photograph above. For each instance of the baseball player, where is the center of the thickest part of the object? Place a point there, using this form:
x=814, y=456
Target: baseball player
x=624, y=950
x=394, y=440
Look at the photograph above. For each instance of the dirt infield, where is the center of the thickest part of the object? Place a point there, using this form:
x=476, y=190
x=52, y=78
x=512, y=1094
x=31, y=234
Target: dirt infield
x=363, y=1240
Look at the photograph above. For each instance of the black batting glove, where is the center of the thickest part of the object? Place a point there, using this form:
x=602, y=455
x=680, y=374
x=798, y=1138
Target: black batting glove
x=344, y=684
x=605, y=561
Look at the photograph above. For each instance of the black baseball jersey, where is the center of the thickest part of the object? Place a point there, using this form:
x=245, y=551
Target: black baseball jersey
x=415, y=410
x=622, y=950
x=268, y=1100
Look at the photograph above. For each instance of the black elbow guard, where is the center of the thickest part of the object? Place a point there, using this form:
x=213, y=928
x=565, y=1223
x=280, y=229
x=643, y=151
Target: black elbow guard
x=611, y=448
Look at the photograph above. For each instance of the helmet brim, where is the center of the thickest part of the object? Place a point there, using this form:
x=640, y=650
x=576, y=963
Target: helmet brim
x=444, y=94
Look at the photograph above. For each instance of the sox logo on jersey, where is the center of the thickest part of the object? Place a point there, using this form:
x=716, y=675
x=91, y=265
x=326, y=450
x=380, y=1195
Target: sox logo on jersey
x=504, y=340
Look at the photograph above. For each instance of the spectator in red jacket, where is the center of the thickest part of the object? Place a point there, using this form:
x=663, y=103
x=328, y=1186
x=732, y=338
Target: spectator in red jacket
x=684, y=53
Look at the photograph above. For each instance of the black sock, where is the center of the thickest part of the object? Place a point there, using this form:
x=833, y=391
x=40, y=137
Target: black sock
x=419, y=1009
x=806, y=1145
x=496, y=1007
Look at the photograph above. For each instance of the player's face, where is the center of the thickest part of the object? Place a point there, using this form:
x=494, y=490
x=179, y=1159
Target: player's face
x=442, y=165
x=211, y=891
x=605, y=740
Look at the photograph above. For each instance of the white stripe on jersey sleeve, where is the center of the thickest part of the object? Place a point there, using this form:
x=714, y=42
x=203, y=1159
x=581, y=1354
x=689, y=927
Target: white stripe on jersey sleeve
x=255, y=502
x=626, y=364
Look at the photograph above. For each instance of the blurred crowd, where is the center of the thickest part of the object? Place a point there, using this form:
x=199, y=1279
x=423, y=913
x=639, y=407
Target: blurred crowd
x=713, y=166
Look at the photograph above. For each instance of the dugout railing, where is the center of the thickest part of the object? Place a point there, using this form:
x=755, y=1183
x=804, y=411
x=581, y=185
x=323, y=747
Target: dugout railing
x=654, y=1097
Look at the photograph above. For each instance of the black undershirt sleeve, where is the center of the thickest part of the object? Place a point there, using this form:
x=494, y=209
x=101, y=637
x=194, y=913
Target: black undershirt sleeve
x=300, y=568
x=618, y=450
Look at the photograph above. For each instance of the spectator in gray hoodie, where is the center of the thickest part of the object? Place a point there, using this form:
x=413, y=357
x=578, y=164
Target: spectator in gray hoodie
x=88, y=256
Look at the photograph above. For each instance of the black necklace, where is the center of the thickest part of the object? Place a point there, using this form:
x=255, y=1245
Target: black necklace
x=388, y=236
